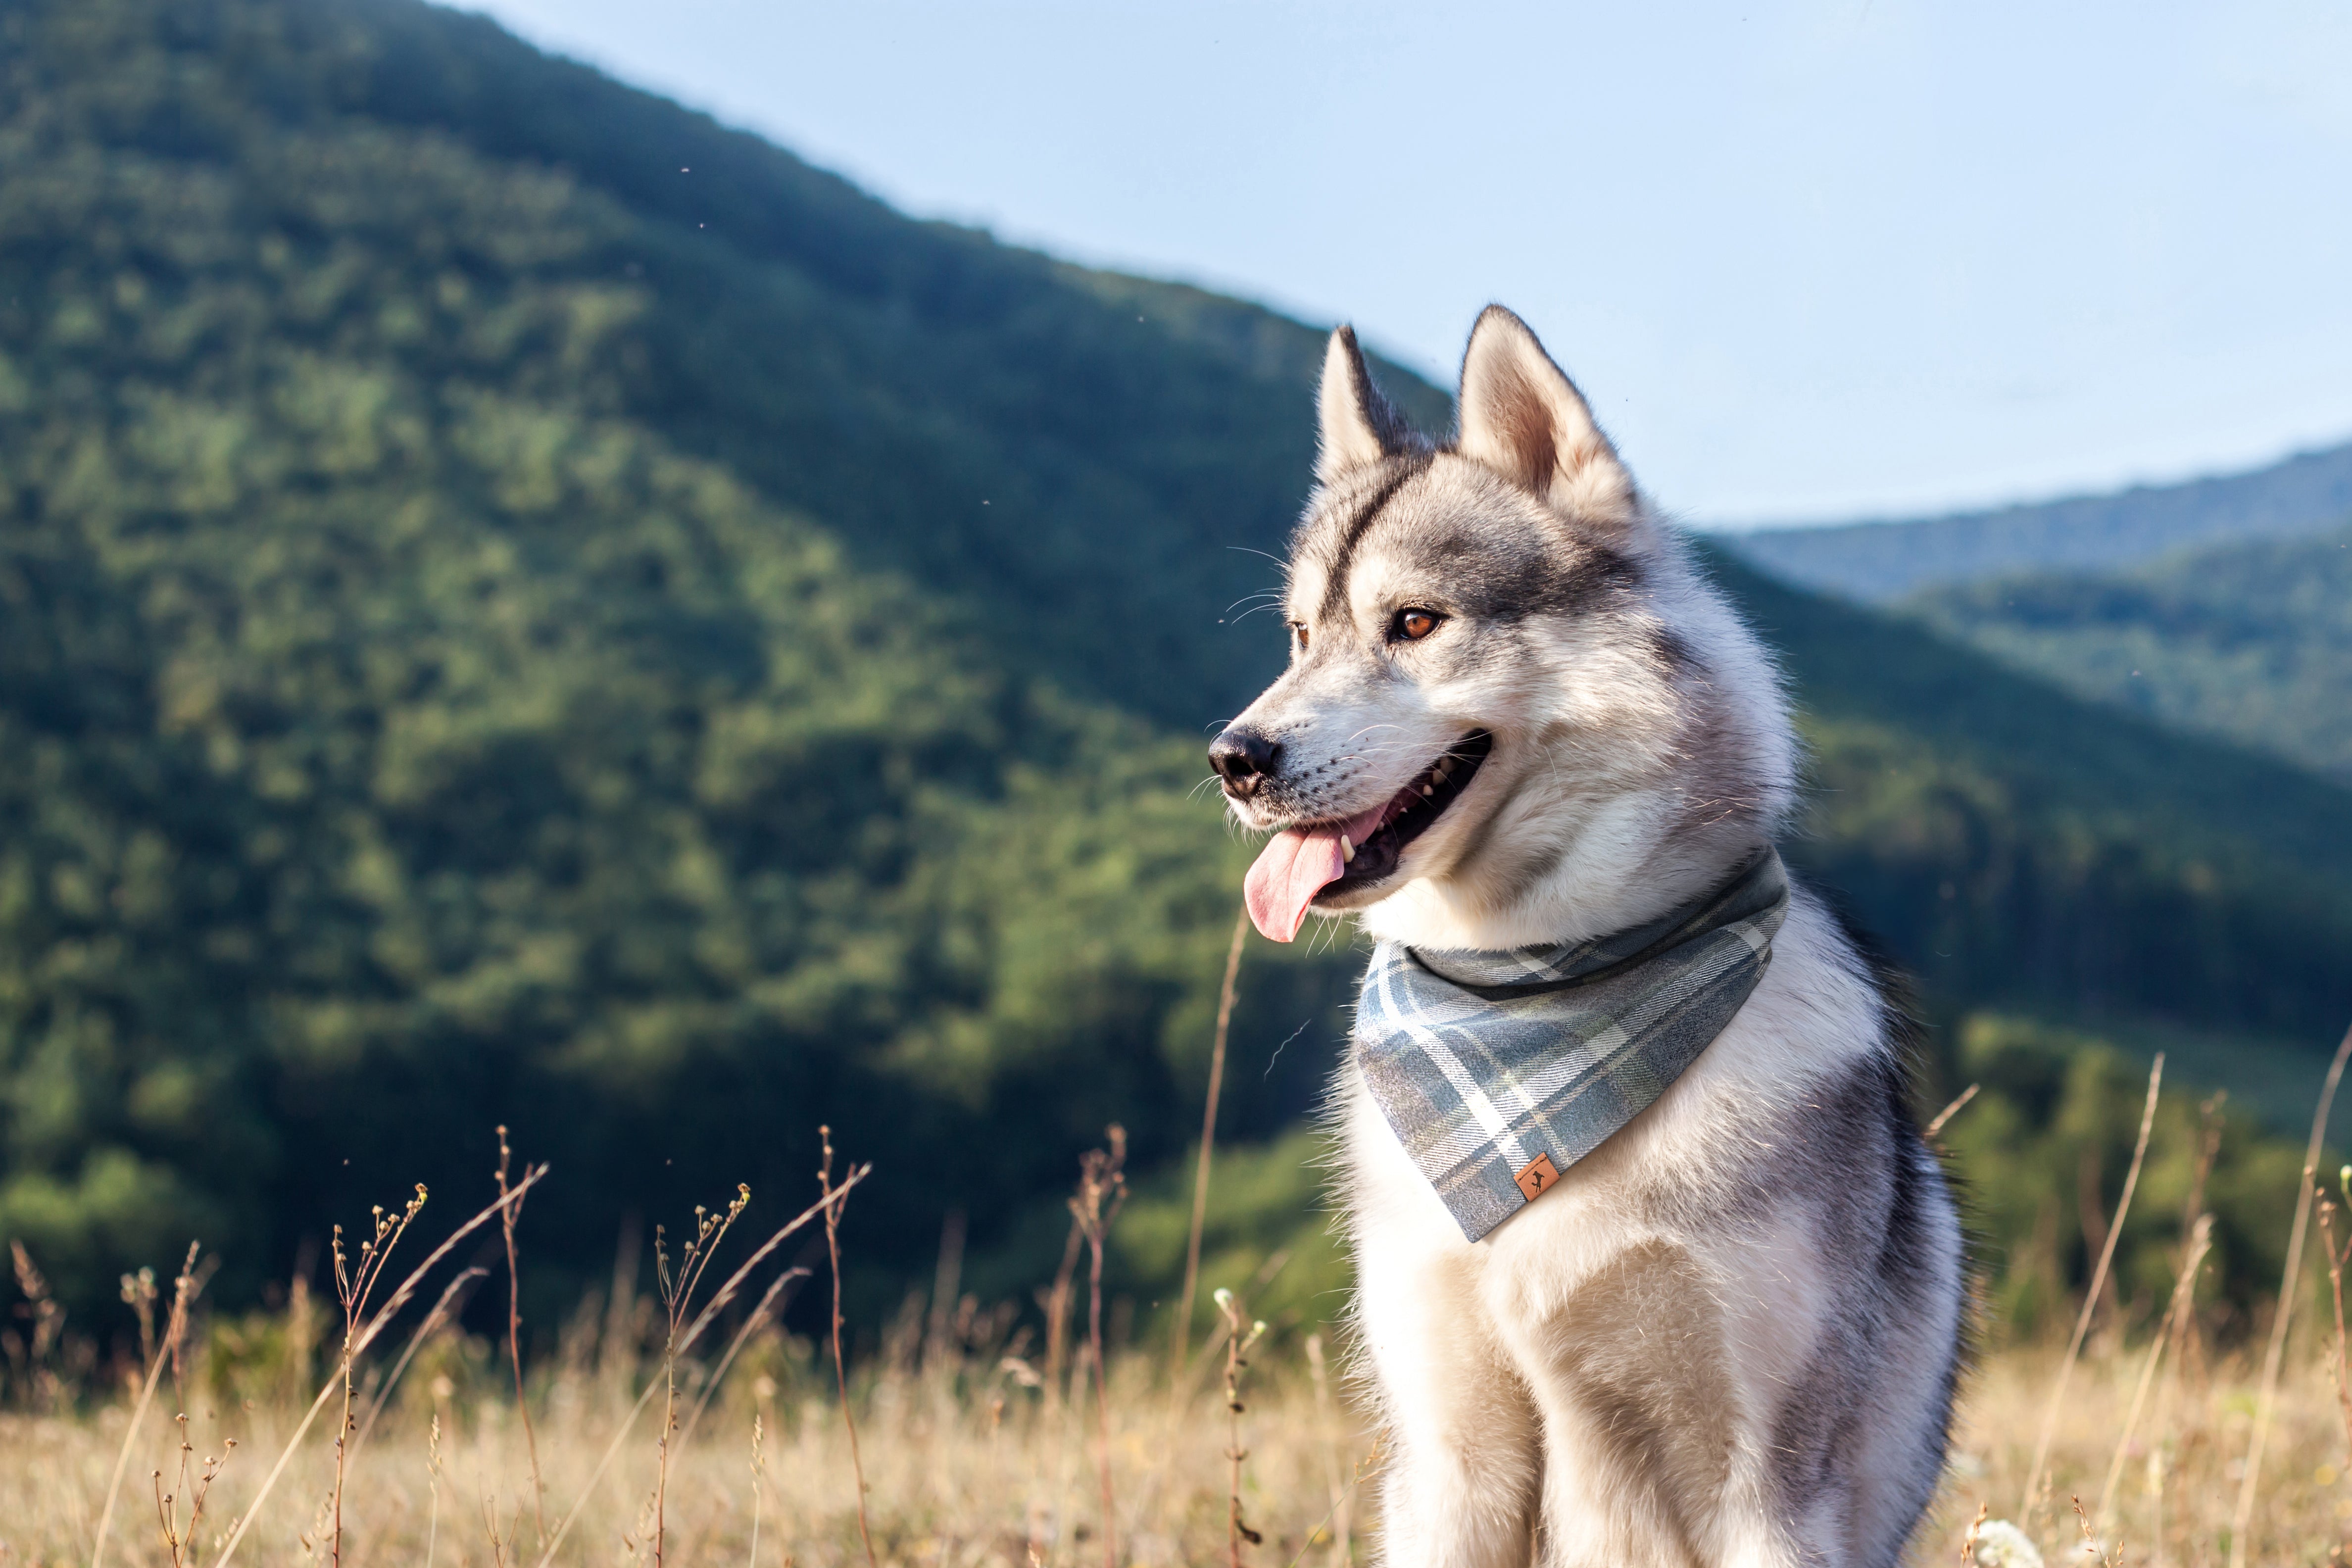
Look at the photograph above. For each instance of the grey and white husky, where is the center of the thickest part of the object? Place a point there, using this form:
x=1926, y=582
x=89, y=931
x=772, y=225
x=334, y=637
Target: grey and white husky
x=1517, y=715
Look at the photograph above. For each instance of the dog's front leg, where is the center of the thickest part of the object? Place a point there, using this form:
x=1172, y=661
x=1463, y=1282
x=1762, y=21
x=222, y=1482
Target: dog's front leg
x=1460, y=1488
x=1461, y=1484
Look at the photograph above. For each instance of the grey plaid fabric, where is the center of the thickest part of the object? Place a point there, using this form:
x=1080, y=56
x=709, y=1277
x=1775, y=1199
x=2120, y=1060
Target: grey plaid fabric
x=1487, y=1063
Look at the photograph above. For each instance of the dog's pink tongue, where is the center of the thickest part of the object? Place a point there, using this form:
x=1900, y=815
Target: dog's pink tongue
x=1287, y=874
x=1295, y=866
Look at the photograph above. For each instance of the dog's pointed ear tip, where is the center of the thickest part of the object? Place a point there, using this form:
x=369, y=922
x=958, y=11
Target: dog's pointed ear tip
x=1497, y=322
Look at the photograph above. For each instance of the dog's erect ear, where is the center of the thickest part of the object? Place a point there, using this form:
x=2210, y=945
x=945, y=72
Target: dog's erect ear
x=1522, y=417
x=1358, y=426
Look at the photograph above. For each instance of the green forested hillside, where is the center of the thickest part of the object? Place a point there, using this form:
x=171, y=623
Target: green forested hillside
x=520, y=605
x=2250, y=641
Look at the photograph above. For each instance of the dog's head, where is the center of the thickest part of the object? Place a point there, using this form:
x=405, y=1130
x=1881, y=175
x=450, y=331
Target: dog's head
x=1514, y=711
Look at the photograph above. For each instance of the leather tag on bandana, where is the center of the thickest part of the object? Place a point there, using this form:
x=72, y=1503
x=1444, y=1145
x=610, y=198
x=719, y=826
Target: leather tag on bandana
x=1538, y=1176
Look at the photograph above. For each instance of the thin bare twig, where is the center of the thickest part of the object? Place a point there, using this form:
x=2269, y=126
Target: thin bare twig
x=440, y=1314
x=2091, y=1297
x=2340, y=1356
x=1102, y=1190
x=2184, y=1293
x=2267, y=1401
x=1237, y=1346
x=759, y=1316
x=507, y=1218
x=840, y=1366
x=1180, y=1336
x=1949, y=1111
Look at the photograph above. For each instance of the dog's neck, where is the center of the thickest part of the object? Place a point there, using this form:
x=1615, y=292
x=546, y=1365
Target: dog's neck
x=1625, y=865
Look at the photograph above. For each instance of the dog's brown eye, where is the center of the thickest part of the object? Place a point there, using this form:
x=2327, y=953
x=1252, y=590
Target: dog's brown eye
x=1414, y=624
x=1298, y=633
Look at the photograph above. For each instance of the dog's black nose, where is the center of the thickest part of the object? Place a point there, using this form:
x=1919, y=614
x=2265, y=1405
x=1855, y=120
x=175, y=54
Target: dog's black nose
x=1244, y=758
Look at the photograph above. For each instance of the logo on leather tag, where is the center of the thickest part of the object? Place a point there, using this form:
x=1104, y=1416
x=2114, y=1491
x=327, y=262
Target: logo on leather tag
x=1538, y=1176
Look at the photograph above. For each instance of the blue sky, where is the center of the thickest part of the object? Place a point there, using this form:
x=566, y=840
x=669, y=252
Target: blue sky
x=1810, y=261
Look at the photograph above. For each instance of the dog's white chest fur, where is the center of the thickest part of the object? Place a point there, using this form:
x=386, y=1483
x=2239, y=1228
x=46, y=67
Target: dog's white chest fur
x=1614, y=1360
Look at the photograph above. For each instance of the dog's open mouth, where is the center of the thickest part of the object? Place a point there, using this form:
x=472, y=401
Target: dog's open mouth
x=1313, y=860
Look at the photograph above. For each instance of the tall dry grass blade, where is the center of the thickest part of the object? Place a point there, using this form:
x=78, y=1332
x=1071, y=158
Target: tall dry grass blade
x=841, y=1366
x=366, y=1337
x=2337, y=1258
x=947, y=1279
x=507, y=1219
x=183, y=1290
x=2266, y=1401
x=1338, y=1517
x=2090, y=1298
x=1237, y=1346
x=719, y=1299
x=1102, y=1190
x=2184, y=1291
x=1180, y=1337
x=1945, y=1115
x=439, y=1315
x=758, y=1319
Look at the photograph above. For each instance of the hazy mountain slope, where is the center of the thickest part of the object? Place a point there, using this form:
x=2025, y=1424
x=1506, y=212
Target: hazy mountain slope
x=2251, y=641
x=1878, y=562
x=475, y=646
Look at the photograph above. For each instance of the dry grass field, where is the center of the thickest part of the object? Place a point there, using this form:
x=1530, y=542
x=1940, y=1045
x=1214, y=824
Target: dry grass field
x=965, y=1465
x=687, y=1428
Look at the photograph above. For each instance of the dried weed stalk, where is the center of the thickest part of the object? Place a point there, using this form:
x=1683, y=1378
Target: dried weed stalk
x=2184, y=1294
x=2339, y=1362
x=2266, y=1401
x=1102, y=1192
x=832, y=1197
x=1238, y=1346
x=508, y=1215
x=703, y=1319
x=183, y=1294
x=2090, y=1300
x=1180, y=1336
x=444, y=1309
x=432, y=1481
x=677, y=1288
x=49, y=1326
x=179, y=1538
x=374, y=1325
x=355, y=1281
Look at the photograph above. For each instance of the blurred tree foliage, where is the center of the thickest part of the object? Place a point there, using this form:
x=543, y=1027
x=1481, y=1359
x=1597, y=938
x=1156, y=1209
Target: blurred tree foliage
x=2251, y=640
x=520, y=605
x=2044, y=1149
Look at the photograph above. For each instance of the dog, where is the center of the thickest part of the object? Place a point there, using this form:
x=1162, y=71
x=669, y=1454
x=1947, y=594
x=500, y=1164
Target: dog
x=1517, y=715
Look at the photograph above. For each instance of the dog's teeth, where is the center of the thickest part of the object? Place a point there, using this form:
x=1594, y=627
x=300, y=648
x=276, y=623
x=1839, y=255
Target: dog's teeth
x=1445, y=766
x=1426, y=790
x=1347, y=850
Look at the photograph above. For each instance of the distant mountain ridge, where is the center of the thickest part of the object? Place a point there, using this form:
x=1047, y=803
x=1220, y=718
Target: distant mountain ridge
x=1877, y=561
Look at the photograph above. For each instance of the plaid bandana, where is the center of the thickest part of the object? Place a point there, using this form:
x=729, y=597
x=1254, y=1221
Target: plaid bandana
x=1499, y=1070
